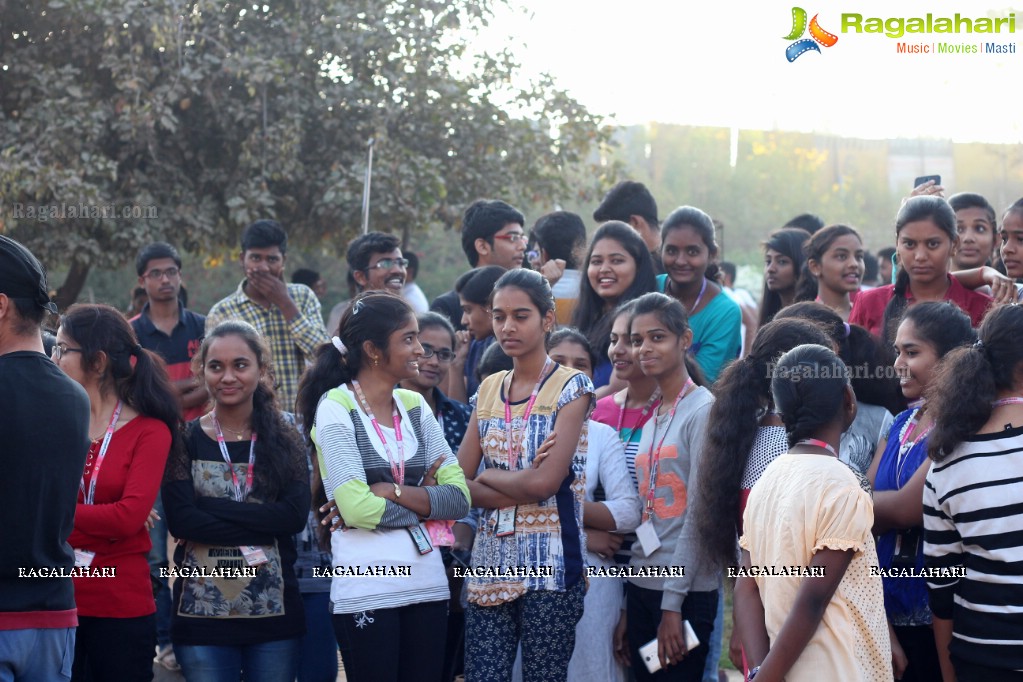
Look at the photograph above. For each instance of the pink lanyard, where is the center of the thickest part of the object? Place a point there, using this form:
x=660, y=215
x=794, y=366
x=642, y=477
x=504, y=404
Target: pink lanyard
x=818, y=444
x=905, y=447
x=513, y=454
x=1007, y=401
x=655, y=455
x=397, y=468
x=654, y=397
x=87, y=498
x=239, y=494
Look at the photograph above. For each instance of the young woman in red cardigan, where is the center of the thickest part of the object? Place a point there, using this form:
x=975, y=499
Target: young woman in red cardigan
x=134, y=426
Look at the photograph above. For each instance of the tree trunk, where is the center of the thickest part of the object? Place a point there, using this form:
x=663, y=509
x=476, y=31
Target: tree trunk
x=73, y=284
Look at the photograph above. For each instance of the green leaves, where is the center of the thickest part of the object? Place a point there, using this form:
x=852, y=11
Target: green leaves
x=219, y=114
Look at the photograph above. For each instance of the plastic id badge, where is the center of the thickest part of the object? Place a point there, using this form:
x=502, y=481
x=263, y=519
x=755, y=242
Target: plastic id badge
x=505, y=522
x=83, y=558
x=420, y=538
x=648, y=540
x=440, y=532
x=254, y=556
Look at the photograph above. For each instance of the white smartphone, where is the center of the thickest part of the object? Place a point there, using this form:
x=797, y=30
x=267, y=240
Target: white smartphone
x=648, y=652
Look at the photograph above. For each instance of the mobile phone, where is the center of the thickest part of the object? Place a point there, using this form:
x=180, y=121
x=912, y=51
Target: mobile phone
x=925, y=178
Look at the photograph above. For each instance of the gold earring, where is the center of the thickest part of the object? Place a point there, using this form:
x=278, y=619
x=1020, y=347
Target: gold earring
x=376, y=361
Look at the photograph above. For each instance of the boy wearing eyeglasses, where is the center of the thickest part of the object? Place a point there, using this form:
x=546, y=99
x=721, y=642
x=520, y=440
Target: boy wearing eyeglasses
x=166, y=327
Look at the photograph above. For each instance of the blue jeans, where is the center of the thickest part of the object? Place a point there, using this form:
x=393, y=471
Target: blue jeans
x=37, y=654
x=710, y=670
x=158, y=560
x=274, y=661
x=317, y=660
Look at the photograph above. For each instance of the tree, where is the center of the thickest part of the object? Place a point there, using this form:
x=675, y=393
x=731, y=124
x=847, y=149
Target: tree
x=214, y=114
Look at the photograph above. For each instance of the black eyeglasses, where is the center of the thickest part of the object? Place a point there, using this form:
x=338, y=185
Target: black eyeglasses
x=155, y=274
x=443, y=354
x=60, y=349
x=388, y=263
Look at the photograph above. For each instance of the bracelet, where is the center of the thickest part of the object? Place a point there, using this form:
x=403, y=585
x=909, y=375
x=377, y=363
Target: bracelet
x=397, y=491
x=752, y=673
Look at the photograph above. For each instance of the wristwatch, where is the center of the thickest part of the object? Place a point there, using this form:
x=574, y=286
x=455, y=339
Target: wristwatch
x=752, y=673
x=397, y=490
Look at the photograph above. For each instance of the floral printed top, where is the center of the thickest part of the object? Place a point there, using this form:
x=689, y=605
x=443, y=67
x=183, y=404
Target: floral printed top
x=548, y=535
x=214, y=604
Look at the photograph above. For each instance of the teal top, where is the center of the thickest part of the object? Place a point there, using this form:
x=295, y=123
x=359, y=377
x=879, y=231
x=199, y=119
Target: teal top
x=717, y=332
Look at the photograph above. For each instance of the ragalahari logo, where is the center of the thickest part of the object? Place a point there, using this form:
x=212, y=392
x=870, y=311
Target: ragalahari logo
x=818, y=35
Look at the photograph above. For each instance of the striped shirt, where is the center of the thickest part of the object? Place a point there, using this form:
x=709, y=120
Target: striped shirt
x=352, y=458
x=973, y=520
x=292, y=342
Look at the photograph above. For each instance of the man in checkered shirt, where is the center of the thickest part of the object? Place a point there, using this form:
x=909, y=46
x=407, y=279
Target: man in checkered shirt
x=287, y=315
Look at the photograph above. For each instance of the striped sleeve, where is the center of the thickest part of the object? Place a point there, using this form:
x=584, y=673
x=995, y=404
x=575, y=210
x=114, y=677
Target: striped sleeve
x=449, y=499
x=339, y=456
x=943, y=549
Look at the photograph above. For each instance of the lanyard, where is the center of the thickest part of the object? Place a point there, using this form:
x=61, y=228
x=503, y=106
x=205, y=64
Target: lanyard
x=905, y=445
x=654, y=397
x=655, y=455
x=1007, y=401
x=87, y=498
x=239, y=494
x=817, y=443
x=397, y=468
x=513, y=454
x=699, y=297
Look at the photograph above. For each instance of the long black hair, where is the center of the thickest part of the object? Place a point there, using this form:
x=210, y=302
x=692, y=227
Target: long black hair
x=742, y=394
x=873, y=380
x=589, y=315
x=279, y=450
x=136, y=375
x=787, y=241
x=914, y=210
x=969, y=379
x=373, y=316
x=814, y=249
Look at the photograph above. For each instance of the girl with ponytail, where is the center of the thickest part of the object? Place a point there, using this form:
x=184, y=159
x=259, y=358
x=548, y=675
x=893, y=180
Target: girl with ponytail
x=688, y=251
x=234, y=498
x=134, y=427
x=833, y=270
x=395, y=485
x=744, y=435
x=807, y=510
x=928, y=332
x=971, y=502
x=926, y=237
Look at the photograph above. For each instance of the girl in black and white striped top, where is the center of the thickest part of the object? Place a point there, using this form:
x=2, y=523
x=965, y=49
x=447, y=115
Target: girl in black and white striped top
x=973, y=518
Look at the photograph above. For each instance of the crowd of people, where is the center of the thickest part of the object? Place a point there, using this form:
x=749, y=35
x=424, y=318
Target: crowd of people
x=551, y=472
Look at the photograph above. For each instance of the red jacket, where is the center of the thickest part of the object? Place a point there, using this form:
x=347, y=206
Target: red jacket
x=868, y=310
x=115, y=526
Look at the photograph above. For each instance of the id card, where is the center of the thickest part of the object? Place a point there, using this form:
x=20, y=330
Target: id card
x=254, y=556
x=648, y=540
x=505, y=522
x=83, y=558
x=420, y=539
x=440, y=532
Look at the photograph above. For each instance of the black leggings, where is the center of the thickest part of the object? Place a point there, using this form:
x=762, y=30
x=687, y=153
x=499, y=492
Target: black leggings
x=921, y=652
x=114, y=649
x=404, y=644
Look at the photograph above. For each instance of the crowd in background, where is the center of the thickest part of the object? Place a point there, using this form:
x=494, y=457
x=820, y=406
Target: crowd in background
x=502, y=483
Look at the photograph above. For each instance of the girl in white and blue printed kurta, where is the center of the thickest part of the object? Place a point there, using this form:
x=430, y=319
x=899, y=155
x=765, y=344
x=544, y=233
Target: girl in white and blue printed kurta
x=389, y=479
x=528, y=564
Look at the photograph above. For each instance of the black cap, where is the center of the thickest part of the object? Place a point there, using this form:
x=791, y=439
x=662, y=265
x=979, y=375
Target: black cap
x=21, y=275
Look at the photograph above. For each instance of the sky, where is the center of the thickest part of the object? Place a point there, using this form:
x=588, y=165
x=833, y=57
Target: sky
x=719, y=63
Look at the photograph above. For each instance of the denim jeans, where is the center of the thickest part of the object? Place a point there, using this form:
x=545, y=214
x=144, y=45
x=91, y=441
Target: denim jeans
x=274, y=661
x=36, y=654
x=158, y=560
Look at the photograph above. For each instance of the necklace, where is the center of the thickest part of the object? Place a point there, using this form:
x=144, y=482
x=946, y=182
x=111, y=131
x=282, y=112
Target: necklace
x=238, y=435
